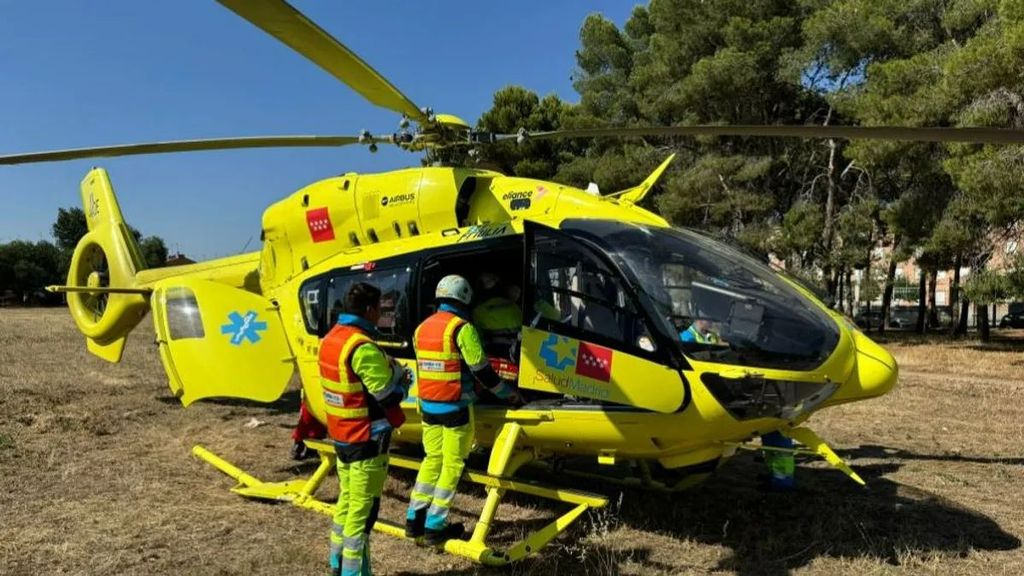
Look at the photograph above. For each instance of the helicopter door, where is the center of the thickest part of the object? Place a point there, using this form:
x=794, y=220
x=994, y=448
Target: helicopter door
x=219, y=341
x=585, y=336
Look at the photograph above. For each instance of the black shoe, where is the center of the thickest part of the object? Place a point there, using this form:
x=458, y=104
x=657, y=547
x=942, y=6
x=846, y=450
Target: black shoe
x=438, y=537
x=414, y=528
x=299, y=451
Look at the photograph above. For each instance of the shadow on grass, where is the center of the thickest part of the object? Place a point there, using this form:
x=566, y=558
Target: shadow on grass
x=829, y=516
x=885, y=452
x=288, y=403
x=768, y=533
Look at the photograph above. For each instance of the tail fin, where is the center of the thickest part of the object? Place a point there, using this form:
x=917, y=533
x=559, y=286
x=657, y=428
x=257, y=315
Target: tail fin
x=637, y=193
x=103, y=295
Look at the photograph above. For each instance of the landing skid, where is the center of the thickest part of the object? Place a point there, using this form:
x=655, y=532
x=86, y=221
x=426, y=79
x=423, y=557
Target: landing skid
x=504, y=462
x=645, y=479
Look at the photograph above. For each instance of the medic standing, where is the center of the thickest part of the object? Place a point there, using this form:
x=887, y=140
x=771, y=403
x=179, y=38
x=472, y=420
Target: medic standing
x=363, y=389
x=450, y=358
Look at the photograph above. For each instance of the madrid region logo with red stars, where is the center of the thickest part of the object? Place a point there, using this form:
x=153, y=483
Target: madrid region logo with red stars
x=589, y=360
x=319, y=222
x=594, y=362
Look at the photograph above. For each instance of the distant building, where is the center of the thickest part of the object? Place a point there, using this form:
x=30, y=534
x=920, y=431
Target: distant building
x=178, y=259
x=906, y=289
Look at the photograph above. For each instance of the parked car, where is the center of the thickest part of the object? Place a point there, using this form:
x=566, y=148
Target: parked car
x=1012, y=320
x=903, y=317
x=863, y=317
x=945, y=315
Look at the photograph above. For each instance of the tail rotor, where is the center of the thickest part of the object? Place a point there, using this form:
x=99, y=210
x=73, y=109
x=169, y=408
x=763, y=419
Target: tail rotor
x=104, y=296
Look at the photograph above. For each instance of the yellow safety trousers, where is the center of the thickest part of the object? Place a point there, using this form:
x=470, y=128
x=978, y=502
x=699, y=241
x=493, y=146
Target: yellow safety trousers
x=446, y=451
x=361, y=484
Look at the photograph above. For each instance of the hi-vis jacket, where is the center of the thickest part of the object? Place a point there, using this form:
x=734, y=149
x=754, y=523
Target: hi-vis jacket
x=362, y=387
x=693, y=334
x=449, y=359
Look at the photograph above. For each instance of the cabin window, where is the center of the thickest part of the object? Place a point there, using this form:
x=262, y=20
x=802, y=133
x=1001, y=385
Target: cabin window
x=183, y=317
x=395, y=322
x=312, y=304
x=574, y=292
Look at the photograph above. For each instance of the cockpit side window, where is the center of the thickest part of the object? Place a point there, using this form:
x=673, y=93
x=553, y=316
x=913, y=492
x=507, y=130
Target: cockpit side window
x=717, y=304
x=574, y=292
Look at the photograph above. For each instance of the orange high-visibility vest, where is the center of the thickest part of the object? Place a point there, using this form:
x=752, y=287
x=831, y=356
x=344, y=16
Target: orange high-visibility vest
x=345, y=397
x=438, y=362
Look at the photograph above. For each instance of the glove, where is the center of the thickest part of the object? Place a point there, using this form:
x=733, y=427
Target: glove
x=398, y=375
x=401, y=377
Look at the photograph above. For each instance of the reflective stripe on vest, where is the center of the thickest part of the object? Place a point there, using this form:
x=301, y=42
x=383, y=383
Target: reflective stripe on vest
x=438, y=362
x=348, y=414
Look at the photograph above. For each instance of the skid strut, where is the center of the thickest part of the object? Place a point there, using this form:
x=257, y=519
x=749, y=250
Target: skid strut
x=504, y=462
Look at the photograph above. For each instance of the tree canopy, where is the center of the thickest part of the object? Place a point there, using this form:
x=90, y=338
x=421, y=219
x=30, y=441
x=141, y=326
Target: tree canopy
x=822, y=207
x=26, y=268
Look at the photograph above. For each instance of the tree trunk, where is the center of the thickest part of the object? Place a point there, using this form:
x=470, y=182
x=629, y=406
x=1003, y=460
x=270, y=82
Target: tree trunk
x=849, y=291
x=828, y=231
x=954, y=297
x=866, y=284
x=961, y=326
x=922, y=296
x=890, y=278
x=933, y=313
x=840, y=294
x=982, y=315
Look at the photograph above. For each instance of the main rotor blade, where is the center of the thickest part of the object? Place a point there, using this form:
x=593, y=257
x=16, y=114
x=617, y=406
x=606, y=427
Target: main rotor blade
x=184, y=146
x=284, y=22
x=931, y=134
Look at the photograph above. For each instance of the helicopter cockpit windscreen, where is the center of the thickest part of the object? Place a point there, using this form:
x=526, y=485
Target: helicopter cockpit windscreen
x=717, y=303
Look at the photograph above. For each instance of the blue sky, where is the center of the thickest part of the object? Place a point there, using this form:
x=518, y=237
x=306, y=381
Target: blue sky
x=118, y=71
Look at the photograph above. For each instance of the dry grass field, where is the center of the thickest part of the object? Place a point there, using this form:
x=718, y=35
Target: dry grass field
x=96, y=477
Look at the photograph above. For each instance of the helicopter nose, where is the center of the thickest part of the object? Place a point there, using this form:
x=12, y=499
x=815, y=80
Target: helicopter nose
x=876, y=368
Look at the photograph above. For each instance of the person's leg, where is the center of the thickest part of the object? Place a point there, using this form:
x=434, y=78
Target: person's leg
x=781, y=465
x=340, y=515
x=365, y=484
x=426, y=480
x=457, y=443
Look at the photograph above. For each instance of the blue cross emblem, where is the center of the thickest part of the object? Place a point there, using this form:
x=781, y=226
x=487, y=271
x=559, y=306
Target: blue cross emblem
x=243, y=327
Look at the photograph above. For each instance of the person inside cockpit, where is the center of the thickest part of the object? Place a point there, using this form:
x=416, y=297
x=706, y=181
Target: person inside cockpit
x=700, y=332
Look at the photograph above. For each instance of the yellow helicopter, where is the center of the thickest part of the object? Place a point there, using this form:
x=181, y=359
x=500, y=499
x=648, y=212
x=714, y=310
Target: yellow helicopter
x=606, y=376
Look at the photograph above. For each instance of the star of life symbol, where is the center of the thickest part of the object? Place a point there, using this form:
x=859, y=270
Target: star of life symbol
x=558, y=352
x=242, y=328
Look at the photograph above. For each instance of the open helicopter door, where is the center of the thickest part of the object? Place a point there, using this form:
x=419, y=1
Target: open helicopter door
x=585, y=335
x=219, y=341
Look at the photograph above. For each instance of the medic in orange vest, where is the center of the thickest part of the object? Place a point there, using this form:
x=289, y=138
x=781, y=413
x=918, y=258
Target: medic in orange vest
x=450, y=359
x=363, y=389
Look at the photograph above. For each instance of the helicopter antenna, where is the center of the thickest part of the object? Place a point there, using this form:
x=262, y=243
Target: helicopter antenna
x=246, y=245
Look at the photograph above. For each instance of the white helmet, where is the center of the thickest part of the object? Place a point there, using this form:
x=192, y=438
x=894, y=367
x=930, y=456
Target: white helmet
x=454, y=287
